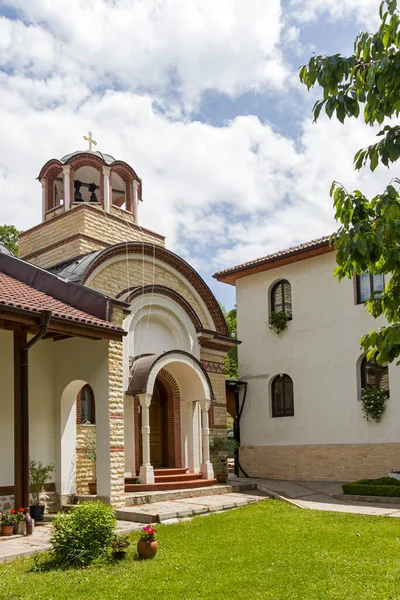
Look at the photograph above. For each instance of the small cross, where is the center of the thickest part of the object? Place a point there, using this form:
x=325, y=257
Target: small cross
x=89, y=139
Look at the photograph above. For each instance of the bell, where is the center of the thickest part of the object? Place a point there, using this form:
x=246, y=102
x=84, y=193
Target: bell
x=92, y=189
x=78, y=195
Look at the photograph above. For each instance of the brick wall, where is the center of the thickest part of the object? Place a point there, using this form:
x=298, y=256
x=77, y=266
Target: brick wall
x=339, y=462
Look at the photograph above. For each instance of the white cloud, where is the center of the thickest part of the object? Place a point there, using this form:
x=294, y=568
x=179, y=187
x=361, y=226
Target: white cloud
x=200, y=45
x=364, y=12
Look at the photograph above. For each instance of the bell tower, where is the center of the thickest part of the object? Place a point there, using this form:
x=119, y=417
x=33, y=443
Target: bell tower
x=89, y=202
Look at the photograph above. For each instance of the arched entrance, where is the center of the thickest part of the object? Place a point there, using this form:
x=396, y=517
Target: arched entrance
x=172, y=434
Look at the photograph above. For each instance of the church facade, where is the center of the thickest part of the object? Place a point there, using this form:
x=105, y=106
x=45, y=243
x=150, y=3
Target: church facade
x=166, y=382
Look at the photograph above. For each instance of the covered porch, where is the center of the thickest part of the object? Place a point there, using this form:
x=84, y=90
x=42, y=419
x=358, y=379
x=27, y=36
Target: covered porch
x=167, y=432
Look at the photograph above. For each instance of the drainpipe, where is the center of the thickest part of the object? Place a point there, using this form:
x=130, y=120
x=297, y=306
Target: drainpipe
x=45, y=317
x=236, y=430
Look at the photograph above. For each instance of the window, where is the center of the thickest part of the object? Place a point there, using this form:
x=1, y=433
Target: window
x=281, y=298
x=374, y=375
x=367, y=284
x=282, y=396
x=86, y=407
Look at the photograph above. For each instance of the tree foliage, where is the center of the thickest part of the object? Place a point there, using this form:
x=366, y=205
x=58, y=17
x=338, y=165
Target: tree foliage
x=9, y=236
x=368, y=239
x=231, y=360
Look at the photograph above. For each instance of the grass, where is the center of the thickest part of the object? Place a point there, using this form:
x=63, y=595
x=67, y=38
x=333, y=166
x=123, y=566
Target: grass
x=271, y=550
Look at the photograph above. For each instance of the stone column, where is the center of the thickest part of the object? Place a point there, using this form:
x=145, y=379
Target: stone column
x=206, y=469
x=135, y=187
x=44, y=207
x=66, y=187
x=106, y=184
x=110, y=451
x=189, y=414
x=146, y=473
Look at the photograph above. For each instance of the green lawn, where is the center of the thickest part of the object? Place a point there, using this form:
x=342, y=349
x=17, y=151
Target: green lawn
x=270, y=550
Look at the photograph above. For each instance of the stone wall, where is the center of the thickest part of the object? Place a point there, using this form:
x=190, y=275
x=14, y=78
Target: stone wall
x=213, y=363
x=82, y=229
x=85, y=468
x=47, y=498
x=339, y=462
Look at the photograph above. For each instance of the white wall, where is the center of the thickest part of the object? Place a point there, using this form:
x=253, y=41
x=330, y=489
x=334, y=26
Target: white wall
x=319, y=350
x=6, y=408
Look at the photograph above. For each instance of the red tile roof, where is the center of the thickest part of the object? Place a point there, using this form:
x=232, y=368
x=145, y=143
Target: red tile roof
x=16, y=294
x=293, y=251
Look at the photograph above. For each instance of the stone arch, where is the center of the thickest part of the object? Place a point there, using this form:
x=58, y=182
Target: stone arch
x=49, y=174
x=86, y=160
x=171, y=260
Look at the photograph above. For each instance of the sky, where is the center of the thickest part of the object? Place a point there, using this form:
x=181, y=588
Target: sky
x=201, y=98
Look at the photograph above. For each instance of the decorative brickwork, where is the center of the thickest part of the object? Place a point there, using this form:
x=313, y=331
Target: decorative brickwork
x=213, y=367
x=333, y=462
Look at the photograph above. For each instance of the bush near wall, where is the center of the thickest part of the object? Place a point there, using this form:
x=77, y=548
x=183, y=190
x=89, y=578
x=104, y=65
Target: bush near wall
x=384, y=486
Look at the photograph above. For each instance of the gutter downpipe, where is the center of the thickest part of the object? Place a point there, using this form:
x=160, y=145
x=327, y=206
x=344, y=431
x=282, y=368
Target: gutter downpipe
x=45, y=317
x=236, y=430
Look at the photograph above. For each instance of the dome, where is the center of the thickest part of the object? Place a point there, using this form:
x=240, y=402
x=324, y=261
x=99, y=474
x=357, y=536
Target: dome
x=107, y=158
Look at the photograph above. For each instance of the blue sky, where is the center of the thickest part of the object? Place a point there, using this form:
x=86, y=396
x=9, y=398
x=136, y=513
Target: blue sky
x=202, y=98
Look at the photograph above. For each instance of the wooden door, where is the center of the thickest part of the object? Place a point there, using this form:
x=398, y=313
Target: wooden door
x=158, y=427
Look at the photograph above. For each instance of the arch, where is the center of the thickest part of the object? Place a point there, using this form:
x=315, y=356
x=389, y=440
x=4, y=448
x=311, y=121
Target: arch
x=172, y=260
x=50, y=166
x=281, y=297
x=66, y=467
x=282, y=396
x=164, y=291
x=373, y=374
x=181, y=365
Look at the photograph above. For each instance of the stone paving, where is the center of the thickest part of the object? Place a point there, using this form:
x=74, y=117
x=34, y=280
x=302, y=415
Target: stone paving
x=161, y=512
x=319, y=495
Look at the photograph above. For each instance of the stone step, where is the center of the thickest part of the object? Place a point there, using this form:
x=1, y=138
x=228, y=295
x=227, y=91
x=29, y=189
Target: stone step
x=159, y=512
x=171, y=471
x=177, y=477
x=172, y=485
x=136, y=499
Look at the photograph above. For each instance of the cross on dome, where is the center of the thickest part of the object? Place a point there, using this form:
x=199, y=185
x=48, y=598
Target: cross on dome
x=89, y=139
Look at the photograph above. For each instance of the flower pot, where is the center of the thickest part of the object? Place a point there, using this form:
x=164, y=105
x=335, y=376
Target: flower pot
x=222, y=477
x=7, y=529
x=20, y=528
x=119, y=555
x=93, y=488
x=37, y=512
x=147, y=549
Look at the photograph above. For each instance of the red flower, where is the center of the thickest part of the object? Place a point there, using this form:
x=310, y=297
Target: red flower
x=21, y=510
x=11, y=511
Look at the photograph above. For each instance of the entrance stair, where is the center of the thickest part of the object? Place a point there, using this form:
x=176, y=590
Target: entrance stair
x=168, y=479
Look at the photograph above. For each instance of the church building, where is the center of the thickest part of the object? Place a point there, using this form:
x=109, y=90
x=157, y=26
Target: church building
x=152, y=398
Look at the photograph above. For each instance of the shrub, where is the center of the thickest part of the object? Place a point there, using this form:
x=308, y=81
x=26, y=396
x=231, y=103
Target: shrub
x=120, y=543
x=83, y=535
x=384, y=486
x=278, y=321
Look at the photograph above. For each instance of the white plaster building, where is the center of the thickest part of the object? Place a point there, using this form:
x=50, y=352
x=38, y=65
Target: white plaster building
x=302, y=417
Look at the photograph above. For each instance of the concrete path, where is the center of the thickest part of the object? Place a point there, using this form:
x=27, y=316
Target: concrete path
x=161, y=512
x=319, y=495
x=39, y=541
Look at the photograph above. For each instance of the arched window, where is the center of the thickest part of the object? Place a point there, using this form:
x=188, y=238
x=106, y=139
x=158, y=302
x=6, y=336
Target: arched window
x=85, y=413
x=282, y=396
x=281, y=298
x=374, y=375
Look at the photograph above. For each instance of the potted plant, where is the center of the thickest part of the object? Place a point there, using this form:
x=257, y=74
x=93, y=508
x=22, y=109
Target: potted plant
x=147, y=545
x=119, y=544
x=20, y=525
x=39, y=474
x=8, y=521
x=219, y=457
x=89, y=453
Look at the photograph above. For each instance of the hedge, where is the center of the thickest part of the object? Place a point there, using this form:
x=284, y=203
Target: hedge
x=384, y=486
